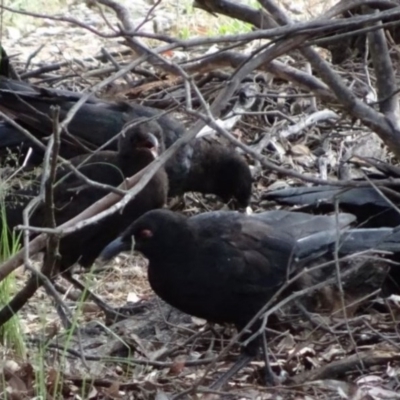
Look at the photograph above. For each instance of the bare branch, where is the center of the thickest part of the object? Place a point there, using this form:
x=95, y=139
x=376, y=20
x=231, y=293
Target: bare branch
x=385, y=77
x=374, y=120
x=43, y=277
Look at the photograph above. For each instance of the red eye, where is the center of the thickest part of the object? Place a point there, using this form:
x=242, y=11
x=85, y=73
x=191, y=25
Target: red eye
x=146, y=234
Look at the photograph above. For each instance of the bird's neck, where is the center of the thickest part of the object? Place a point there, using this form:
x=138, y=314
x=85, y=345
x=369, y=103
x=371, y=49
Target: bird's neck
x=177, y=250
x=166, y=268
x=133, y=162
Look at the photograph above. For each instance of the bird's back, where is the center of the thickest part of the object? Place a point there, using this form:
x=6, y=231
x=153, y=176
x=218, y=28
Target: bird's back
x=235, y=265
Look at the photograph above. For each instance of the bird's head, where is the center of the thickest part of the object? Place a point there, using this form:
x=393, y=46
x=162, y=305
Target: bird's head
x=142, y=135
x=155, y=234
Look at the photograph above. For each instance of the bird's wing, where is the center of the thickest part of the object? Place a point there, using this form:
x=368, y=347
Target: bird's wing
x=251, y=255
x=327, y=195
x=73, y=195
x=300, y=224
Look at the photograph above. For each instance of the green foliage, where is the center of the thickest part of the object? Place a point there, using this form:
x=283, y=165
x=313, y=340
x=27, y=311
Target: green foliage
x=192, y=22
x=185, y=33
x=11, y=335
x=232, y=27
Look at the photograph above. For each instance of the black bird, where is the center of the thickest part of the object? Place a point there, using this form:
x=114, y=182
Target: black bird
x=111, y=168
x=225, y=266
x=72, y=196
x=371, y=208
x=98, y=121
x=219, y=170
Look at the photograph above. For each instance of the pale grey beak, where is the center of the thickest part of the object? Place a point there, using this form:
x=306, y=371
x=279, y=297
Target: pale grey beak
x=114, y=248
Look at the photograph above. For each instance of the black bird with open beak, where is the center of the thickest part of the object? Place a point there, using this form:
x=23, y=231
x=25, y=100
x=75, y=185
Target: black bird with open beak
x=137, y=148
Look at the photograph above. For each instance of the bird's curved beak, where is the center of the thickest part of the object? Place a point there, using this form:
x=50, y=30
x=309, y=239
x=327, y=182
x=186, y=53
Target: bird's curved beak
x=154, y=145
x=114, y=248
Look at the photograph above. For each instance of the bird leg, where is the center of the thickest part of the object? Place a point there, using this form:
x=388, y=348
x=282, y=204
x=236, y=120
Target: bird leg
x=241, y=362
x=248, y=354
x=270, y=378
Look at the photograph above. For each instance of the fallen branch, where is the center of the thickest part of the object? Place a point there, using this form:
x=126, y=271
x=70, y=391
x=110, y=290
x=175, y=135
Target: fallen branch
x=339, y=368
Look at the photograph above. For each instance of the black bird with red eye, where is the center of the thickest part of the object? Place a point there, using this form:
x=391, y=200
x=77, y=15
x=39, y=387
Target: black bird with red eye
x=225, y=266
x=220, y=266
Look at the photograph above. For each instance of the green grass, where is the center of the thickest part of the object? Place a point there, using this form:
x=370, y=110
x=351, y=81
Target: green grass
x=232, y=27
x=11, y=335
x=192, y=22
